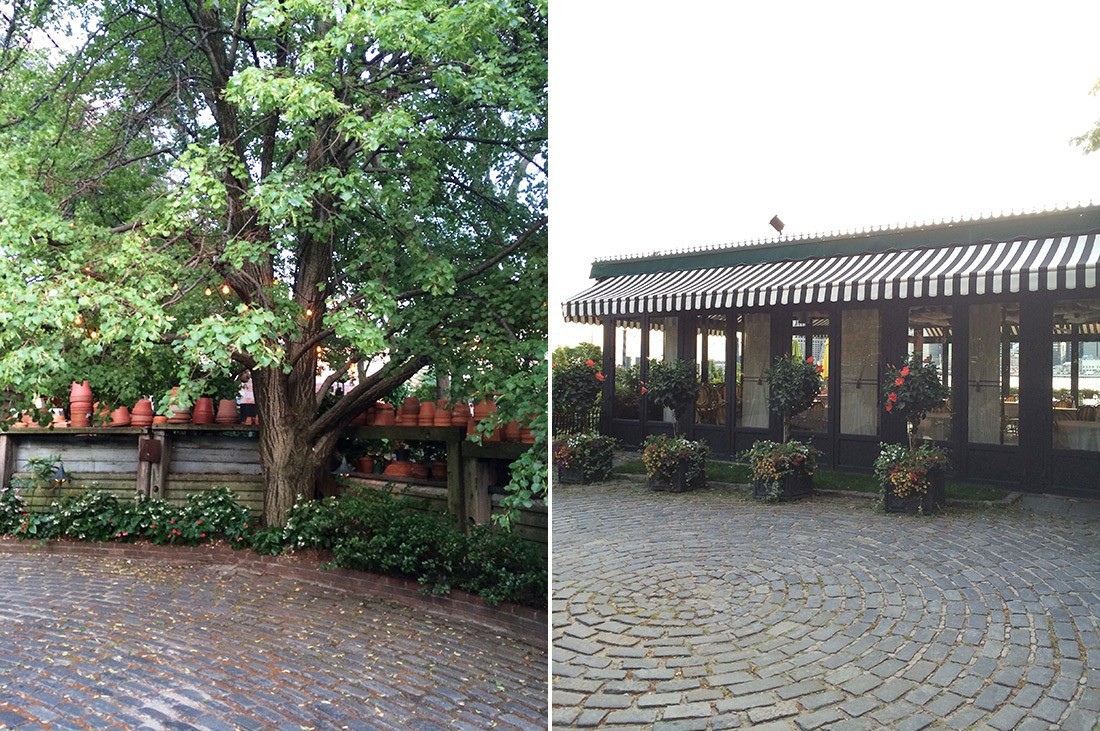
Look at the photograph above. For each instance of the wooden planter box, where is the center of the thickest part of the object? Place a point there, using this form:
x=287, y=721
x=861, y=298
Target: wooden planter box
x=793, y=486
x=931, y=501
x=678, y=482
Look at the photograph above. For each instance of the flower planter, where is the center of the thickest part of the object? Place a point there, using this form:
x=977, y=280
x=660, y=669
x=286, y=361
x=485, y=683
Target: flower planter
x=932, y=500
x=792, y=486
x=678, y=481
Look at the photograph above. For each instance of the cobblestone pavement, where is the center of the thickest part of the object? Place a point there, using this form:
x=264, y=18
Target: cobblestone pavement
x=90, y=643
x=706, y=610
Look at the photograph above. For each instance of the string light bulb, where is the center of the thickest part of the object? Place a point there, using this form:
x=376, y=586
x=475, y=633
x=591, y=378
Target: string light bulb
x=209, y=292
x=225, y=289
x=78, y=320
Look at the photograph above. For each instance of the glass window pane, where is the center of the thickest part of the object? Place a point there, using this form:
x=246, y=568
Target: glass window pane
x=810, y=338
x=930, y=336
x=628, y=364
x=859, y=401
x=663, y=346
x=710, y=347
x=755, y=349
x=1075, y=374
x=994, y=412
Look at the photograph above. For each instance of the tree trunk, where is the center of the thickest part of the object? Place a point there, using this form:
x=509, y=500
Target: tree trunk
x=288, y=458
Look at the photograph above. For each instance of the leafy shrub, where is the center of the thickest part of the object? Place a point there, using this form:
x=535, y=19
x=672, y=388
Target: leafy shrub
x=13, y=509
x=503, y=567
x=593, y=454
x=793, y=386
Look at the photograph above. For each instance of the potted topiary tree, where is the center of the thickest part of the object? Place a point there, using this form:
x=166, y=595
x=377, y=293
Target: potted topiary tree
x=784, y=471
x=673, y=463
x=912, y=479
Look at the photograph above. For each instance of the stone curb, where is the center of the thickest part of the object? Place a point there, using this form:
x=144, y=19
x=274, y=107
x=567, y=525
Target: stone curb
x=1010, y=499
x=526, y=624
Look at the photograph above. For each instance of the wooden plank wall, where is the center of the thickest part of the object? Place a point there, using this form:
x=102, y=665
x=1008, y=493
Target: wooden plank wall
x=194, y=461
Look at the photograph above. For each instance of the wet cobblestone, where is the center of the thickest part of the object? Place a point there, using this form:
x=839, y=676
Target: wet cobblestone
x=94, y=643
x=820, y=614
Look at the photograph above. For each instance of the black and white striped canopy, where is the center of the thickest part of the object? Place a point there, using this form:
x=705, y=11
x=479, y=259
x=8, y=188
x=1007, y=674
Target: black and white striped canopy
x=1031, y=265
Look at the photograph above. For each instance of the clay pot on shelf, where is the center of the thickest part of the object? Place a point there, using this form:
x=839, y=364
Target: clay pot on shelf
x=120, y=417
x=160, y=419
x=410, y=405
x=443, y=417
x=142, y=413
x=365, y=465
x=484, y=408
x=227, y=412
x=361, y=419
x=460, y=415
x=59, y=421
x=511, y=431
x=80, y=392
x=438, y=470
x=426, y=415
x=419, y=471
x=384, y=417
x=80, y=413
x=203, y=413
x=398, y=468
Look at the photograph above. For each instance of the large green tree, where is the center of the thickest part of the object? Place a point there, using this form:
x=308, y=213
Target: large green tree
x=295, y=187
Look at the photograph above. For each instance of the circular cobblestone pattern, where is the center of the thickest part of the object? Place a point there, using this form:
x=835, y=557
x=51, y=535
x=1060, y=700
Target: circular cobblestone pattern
x=706, y=610
x=93, y=643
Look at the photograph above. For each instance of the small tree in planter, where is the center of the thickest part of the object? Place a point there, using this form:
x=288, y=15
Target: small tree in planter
x=785, y=471
x=674, y=463
x=576, y=385
x=583, y=458
x=912, y=479
x=673, y=385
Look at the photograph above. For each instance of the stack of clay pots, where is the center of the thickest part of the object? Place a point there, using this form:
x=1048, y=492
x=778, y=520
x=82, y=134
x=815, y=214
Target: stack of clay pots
x=409, y=413
x=203, y=413
x=426, y=415
x=399, y=468
x=227, y=412
x=142, y=413
x=482, y=410
x=383, y=415
x=460, y=415
x=80, y=404
x=59, y=421
x=443, y=414
x=180, y=414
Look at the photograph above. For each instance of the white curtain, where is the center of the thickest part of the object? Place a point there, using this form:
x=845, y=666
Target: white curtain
x=859, y=396
x=757, y=348
x=984, y=385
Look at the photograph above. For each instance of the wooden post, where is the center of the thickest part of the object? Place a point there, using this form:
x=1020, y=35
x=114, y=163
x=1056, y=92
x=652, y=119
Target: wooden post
x=144, y=470
x=456, y=482
x=158, y=474
x=479, y=475
x=7, y=459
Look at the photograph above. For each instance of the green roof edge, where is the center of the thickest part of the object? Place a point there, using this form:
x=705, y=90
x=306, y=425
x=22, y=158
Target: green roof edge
x=1002, y=228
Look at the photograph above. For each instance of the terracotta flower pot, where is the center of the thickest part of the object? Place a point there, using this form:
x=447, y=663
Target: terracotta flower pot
x=410, y=405
x=511, y=431
x=398, y=468
x=160, y=419
x=419, y=471
x=227, y=412
x=426, y=414
x=385, y=417
x=439, y=470
x=120, y=417
x=443, y=417
x=203, y=412
x=484, y=408
x=365, y=465
x=142, y=413
x=80, y=392
x=80, y=413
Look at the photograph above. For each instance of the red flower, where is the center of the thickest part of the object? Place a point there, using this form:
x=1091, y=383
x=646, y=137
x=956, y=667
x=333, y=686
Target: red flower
x=644, y=390
x=893, y=397
x=821, y=369
x=889, y=406
x=590, y=362
x=810, y=359
x=899, y=381
x=599, y=376
x=904, y=371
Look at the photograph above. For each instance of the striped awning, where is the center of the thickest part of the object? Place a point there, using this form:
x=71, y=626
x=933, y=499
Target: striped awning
x=1041, y=264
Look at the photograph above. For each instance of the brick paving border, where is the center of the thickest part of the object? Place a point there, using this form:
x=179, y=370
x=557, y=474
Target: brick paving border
x=707, y=610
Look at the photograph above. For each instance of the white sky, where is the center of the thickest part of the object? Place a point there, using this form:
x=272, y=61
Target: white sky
x=692, y=123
